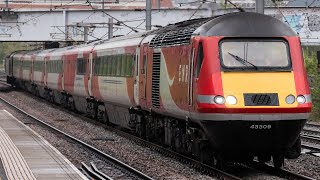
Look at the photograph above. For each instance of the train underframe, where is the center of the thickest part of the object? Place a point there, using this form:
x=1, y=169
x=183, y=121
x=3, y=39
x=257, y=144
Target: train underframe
x=212, y=142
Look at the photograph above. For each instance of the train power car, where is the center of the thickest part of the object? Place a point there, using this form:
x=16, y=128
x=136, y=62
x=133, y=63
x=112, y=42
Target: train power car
x=227, y=87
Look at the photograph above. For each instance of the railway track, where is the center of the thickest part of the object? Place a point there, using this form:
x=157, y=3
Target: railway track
x=311, y=139
x=206, y=169
x=313, y=125
x=310, y=131
x=132, y=172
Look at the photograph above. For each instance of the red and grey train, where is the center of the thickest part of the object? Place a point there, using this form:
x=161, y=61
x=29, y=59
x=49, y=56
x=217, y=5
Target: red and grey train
x=222, y=87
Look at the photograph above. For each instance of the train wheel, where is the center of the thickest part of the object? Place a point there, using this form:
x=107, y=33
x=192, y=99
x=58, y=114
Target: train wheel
x=219, y=162
x=278, y=161
x=263, y=159
x=141, y=126
x=104, y=118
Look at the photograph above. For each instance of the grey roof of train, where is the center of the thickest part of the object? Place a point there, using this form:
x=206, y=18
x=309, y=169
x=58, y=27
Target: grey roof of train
x=245, y=24
x=241, y=24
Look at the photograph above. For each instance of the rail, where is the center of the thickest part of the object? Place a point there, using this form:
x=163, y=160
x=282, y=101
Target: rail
x=192, y=162
x=93, y=172
x=107, y=157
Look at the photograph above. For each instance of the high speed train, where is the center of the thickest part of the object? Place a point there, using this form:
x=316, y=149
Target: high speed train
x=226, y=87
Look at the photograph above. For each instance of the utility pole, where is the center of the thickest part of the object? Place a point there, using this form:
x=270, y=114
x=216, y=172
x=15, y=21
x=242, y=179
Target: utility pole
x=148, y=14
x=85, y=33
x=7, y=5
x=110, y=28
x=66, y=29
x=260, y=6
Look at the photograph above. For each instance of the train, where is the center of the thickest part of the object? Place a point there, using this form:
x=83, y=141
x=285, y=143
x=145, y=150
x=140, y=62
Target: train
x=229, y=87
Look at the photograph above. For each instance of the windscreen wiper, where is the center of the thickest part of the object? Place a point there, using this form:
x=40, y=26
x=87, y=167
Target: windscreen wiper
x=243, y=61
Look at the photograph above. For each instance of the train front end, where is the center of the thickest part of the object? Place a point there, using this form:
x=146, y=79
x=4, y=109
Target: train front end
x=253, y=96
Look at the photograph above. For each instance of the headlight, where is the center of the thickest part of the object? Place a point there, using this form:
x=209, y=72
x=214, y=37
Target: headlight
x=231, y=100
x=301, y=99
x=219, y=100
x=290, y=99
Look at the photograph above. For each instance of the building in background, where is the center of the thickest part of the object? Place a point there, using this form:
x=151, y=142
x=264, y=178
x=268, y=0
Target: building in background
x=304, y=3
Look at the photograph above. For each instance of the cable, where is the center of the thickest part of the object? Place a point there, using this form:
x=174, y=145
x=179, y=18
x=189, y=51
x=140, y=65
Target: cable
x=88, y=1
x=239, y=8
x=87, y=33
x=88, y=16
x=193, y=2
x=196, y=10
x=138, y=26
x=311, y=3
x=285, y=19
x=65, y=34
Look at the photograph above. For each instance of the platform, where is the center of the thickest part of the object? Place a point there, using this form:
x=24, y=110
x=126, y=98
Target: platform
x=26, y=155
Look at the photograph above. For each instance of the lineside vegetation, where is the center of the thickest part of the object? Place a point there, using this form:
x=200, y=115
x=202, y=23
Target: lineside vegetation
x=311, y=63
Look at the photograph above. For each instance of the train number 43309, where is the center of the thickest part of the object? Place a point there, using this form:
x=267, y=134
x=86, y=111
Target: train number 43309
x=265, y=126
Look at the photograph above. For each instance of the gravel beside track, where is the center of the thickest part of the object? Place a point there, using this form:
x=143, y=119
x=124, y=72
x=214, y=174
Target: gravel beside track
x=143, y=159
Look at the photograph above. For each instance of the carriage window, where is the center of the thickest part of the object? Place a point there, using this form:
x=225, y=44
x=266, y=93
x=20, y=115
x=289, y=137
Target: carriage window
x=26, y=65
x=114, y=65
x=124, y=65
x=130, y=61
x=260, y=54
x=81, y=66
x=119, y=63
x=104, y=66
x=38, y=66
x=199, y=60
x=96, y=62
x=54, y=66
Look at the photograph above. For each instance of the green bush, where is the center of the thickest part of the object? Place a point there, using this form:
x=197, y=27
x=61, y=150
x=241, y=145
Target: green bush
x=311, y=63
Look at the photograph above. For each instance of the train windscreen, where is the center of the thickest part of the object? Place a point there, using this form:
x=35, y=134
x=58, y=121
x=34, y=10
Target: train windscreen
x=255, y=54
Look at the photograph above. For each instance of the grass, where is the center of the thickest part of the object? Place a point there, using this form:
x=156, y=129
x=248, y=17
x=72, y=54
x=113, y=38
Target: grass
x=314, y=80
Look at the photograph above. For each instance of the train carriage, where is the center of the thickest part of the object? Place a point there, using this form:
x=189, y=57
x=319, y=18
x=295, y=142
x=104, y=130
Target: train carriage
x=223, y=87
x=39, y=72
x=113, y=77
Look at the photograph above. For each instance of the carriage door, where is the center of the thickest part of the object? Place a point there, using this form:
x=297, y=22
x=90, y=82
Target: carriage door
x=193, y=71
x=140, y=82
x=90, y=74
x=63, y=59
x=9, y=65
x=143, y=73
x=45, y=71
x=136, y=80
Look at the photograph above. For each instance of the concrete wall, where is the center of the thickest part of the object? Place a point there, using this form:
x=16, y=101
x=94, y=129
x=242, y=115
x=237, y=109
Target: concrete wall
x=54, y=25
